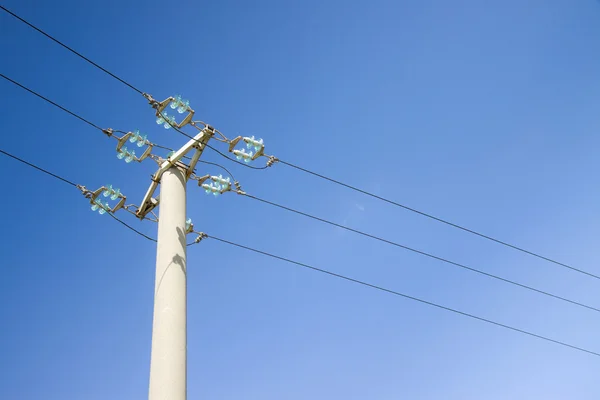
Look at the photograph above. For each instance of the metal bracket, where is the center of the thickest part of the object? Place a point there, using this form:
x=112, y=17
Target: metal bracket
x=234, y=143
x=197, y=143
x=190, y=229
x=122, y=140
x=94, y=195
x=259, y=153
x=132, y=208
x=202, y=179
x=160, y=107
x=209, y=131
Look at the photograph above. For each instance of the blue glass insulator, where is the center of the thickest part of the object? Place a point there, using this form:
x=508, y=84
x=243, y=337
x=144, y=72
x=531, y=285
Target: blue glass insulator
x=166, y=124
x=247, y=159
x=141, y=140
x=188, y=223
x=175, y=103
x=216, y=193
x=183, y=106
x=160, y=120
x=122, y=153
x=97, y=204
x=101, y=211
x=130, y=157
x=115, y=194
x=165, y=120
x=107, y=191
x=133, y=138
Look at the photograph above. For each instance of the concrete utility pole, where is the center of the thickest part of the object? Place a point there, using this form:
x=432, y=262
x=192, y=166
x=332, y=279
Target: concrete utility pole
x=168, y=363
x=168, y=360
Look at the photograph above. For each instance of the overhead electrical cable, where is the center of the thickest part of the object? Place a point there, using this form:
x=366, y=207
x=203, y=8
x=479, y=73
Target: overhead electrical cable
x=381, y=198
x=406, y=296
x=443, y=221
x=60, y=178
x=423, y=253
x=70, y=49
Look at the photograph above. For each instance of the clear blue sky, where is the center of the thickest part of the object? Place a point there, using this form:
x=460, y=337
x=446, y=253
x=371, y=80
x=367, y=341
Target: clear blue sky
x=484, y=113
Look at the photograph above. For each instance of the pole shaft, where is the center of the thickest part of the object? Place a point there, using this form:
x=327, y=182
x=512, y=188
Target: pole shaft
x=168, y=361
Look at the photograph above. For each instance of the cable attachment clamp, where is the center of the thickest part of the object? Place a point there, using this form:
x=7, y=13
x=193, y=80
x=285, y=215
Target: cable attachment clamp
x=272, y=160
x=201, y=235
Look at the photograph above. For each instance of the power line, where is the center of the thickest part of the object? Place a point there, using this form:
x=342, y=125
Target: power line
x=132, y=228
x=405, y=296
x=208, y=145
x=220, y=166
x=50, y=101
x=440, y=220
x=161, y=147
x=70, y=49
x=234, y=160
x=75, y=114
x=454, y=225
x=323, y=177
x=91, y=124
x=200, y=161
x=109, y=73
x=325, y=271
x=38, y=168
x=72, y=184
x=445, y=260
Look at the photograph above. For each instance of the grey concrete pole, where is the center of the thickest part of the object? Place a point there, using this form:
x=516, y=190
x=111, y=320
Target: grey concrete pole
x=168, y=361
